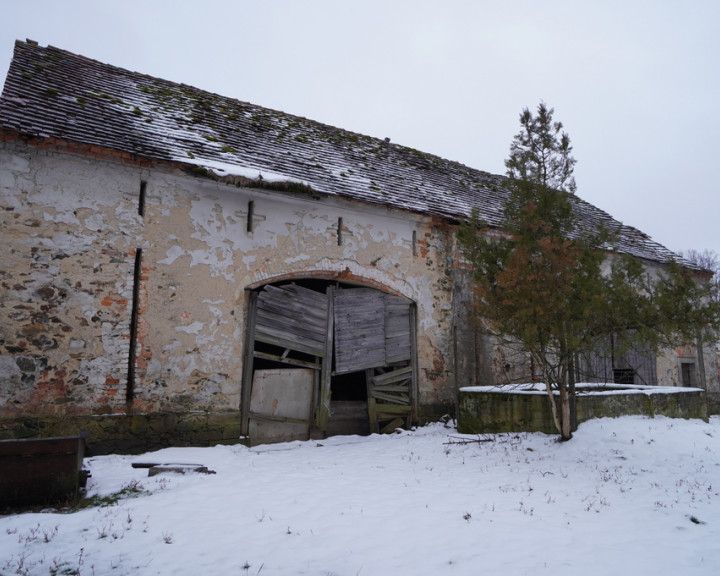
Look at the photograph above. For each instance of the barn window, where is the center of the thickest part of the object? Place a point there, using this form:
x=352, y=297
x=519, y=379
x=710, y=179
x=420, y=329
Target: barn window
x=250, y=214
x=624, y=376
x=688, y=373
x=141, y=198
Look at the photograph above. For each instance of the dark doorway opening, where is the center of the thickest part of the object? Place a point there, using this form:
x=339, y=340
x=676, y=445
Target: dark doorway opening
x=348, y=404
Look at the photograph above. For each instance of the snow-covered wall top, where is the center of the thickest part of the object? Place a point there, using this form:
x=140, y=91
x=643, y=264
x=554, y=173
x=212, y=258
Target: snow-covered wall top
x=51, y=93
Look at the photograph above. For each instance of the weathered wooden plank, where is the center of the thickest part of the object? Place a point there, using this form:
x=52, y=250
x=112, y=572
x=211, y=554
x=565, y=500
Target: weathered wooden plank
x=292, y=318
x=414, y=366
x=294, y=306
x=281, y=405
x=287, y=360
x=322, y=413
x=372, y=413
x=394, y=399
x=397, y=329
x=273, y=418
x=359, y=329
x=401, y=387
x=391, y=409
x=392, y=376
x=271, y=326
x=247, y=376
x=395, y=424
x=293, y=328
x=283, y=342
x=293, y=315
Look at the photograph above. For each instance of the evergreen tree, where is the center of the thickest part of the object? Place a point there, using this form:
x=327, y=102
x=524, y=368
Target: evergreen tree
x=539, y=281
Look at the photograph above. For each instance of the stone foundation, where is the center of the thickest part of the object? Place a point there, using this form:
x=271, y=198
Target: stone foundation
x=133, y=433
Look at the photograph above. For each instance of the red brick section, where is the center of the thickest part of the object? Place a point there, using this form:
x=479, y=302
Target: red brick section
x=144, y=352
x=86, y=150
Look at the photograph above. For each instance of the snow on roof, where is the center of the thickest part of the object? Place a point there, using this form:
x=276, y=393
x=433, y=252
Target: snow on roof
x=50, y=92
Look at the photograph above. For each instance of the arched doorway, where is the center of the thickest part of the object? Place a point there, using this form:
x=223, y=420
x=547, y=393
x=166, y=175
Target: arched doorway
x=325, y=357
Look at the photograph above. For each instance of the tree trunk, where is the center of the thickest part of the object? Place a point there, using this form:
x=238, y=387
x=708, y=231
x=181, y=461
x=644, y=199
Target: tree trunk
x=553, y=406
x=572, y=379
x=566, y=429
x=566, y=384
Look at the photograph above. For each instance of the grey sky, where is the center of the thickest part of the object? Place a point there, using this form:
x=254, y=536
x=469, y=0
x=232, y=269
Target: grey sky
x=635, y=82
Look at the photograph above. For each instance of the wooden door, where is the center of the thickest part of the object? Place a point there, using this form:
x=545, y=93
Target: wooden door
x=374, y=332
x=281, y=405
x=295, y=324
x=339, y=331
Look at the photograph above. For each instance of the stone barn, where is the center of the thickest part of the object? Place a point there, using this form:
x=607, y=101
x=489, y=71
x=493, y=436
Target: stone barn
x=180, y=267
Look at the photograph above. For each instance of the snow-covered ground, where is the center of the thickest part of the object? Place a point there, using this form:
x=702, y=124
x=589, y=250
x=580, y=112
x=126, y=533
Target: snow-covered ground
x=630, y=495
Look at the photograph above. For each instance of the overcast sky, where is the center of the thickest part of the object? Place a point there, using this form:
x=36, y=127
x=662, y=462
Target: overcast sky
x=635, y=82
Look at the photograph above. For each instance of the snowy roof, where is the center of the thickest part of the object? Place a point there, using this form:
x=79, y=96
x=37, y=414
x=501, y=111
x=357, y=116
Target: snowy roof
x=50, y=92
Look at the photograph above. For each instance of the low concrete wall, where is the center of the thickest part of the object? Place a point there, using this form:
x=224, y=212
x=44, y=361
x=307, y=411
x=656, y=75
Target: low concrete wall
x=526, y=409
x=133, y=433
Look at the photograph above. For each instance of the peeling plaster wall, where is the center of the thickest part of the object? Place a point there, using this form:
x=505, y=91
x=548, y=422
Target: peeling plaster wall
x=71, y=229
x=198, y=239
x=68, y=239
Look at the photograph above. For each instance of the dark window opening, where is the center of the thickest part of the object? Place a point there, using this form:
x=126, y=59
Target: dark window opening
x=624, y=376
x=141, y=198
x=339, y=231
x=250, y=214
x=349, y=387
x=687, y=374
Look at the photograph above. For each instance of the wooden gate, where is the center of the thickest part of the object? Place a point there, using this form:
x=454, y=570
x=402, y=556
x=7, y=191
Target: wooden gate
x=335, y=332
x=373, y=332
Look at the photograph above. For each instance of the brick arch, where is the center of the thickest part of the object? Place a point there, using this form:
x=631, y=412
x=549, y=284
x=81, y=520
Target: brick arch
x=346, y=275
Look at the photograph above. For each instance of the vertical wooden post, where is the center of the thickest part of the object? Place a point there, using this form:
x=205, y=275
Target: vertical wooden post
x=247, y=376
x=413, y=363
x=322, y=414
x=372, y=411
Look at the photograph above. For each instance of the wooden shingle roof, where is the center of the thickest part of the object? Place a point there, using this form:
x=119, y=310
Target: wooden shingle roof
x=50, y=92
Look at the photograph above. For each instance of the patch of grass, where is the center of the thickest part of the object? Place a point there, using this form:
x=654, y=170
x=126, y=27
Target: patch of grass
x=129, y=490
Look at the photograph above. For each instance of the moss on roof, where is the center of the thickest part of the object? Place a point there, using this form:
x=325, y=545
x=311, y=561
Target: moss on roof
x=52, y=92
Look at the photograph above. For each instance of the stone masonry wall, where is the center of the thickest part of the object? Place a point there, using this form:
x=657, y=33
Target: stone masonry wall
x=74, y=226
x=68, y=240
